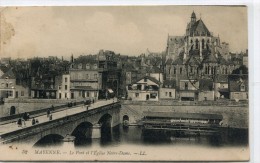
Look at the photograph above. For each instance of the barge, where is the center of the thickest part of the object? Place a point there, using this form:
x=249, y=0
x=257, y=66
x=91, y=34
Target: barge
x=183, y=123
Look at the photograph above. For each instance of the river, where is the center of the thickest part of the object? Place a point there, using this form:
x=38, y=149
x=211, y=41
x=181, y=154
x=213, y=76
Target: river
x=134, y=135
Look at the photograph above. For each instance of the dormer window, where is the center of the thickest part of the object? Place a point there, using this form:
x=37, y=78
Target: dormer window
x=80, y=66
x=242, y=87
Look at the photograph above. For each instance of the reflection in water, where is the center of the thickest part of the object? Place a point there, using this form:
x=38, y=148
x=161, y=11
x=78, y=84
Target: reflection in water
x=134, y=135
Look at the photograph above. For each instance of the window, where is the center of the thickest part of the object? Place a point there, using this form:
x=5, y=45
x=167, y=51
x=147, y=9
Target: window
x=80, y=66
x=66, y=87
x=86, y=76
x=203, y=44
x=22, y=93
x=136, y=94
x=95, y=94
x=191, y=69
x=174, y=70
x=153, y=95
x=170, y=94
x=197, y=44
x=66, y=80
x=6, y=85
x=242, y=87
x=87, y=94
x=95, y=76
x=186, y=85
x=169, y=71
x=166, y=93
x=65, y=95
x=180, y=70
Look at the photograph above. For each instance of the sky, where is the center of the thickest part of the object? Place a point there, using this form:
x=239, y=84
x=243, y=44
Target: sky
x=129, y=30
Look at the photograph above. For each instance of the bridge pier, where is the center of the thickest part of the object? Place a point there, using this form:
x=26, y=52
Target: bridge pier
x=96, y=131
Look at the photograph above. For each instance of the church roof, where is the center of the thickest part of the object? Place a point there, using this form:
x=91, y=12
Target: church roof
x=176, y=40
x=199, y=28
x=210, y=59
x=178, y=61
x=169, y=61
x=193, y=61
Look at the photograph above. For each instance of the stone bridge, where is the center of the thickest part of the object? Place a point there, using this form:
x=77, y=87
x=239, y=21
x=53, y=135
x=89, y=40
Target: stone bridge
x=87, y=123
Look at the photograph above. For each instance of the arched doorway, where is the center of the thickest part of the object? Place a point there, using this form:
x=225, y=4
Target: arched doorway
x=12, y=110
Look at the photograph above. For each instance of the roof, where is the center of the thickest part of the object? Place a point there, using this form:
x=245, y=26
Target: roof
x=169, y=82
x=235, y=82
x=154, y=70
x=199, y=28
x=175, y=39
x=221, y=78
x=178, y=61
x=150, y=78
x=169, y=61
x=182, y=115
x=9, y=74
x=192, y=61
x=210, y=59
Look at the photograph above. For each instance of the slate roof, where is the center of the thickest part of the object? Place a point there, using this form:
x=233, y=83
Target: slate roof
x=150, y=78
x=210, y=59
x=169, y=61
x=172, y=83
x=235, y=82
x=178, y=61
x=193, y=61
x=221, y=78
x=175, y=39
x=154, y=70
x=199, y=28
x=9, y=74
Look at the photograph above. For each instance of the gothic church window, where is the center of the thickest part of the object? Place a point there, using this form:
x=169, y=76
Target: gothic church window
x=203, y=44
x=197, y=44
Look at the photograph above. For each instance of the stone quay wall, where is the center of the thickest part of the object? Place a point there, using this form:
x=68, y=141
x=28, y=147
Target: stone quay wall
x=235, y=115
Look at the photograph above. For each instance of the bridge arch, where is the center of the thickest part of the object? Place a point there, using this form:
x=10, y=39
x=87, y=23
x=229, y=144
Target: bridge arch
x=83, y=130
x=105, y=120
x=50, y=139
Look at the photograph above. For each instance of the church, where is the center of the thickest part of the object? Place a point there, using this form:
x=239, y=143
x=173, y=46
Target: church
x=198, y=58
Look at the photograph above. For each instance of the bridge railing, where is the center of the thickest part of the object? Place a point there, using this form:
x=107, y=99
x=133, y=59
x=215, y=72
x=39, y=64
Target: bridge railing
x=40, y=127
x=35, y=113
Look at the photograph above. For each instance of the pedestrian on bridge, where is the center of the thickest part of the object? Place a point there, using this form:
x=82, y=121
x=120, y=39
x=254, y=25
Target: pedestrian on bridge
x=48, y=113
x=19, y=122
x=33, y=121
x=50, y=117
